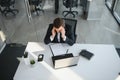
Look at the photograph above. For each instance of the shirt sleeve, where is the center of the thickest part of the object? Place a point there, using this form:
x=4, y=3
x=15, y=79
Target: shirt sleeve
x=64, y=39
x=51, y=38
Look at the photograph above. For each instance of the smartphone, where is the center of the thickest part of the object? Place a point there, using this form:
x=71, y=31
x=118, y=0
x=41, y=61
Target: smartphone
x=40, y=57
x=87, y=54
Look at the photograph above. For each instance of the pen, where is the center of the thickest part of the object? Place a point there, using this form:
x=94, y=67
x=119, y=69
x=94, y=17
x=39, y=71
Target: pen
x=67, y=51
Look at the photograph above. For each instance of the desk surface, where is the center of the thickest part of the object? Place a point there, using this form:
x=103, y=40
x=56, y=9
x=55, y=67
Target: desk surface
x=104, y=65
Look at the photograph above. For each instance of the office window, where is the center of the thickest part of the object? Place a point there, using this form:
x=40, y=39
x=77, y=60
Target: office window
x=114, y=7
x=110, y=3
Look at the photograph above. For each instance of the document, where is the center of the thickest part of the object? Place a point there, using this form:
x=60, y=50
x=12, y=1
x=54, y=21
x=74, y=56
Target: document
x=57, y=49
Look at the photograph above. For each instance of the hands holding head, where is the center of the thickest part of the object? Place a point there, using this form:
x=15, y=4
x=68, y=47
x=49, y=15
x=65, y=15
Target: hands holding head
x=58, y=30
x=63, y=32
x=58, y=27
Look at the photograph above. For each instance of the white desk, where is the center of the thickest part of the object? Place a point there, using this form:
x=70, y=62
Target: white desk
x=104, y=65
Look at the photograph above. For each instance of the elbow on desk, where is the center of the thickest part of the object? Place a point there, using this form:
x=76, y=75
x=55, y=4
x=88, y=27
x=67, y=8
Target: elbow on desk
x=46, y=42
x=70, y=43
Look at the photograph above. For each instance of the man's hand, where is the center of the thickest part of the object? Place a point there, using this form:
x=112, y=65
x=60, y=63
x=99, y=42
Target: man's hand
x=53, y=32
x=63, y=33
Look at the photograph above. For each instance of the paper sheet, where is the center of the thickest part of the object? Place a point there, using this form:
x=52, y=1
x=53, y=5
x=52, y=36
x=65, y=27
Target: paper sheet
x=58, y=49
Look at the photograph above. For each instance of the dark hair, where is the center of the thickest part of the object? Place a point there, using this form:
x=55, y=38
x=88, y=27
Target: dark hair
x=58, y=22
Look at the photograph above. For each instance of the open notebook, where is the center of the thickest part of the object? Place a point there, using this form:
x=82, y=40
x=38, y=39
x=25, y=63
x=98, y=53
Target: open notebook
x=57, y=49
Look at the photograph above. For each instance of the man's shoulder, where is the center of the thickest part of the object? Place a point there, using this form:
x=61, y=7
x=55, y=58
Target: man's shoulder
x=67, y=26
x=50, y=25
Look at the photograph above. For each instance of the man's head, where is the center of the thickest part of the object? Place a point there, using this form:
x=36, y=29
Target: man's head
x=58, y=22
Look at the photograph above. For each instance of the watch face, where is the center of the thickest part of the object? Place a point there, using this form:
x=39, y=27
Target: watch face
x=40, y=57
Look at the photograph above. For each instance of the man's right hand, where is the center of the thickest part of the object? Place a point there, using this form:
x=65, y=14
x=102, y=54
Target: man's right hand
x=53, y=32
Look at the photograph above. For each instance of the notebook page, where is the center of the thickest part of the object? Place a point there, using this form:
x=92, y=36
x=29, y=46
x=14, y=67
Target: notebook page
x=58, y=49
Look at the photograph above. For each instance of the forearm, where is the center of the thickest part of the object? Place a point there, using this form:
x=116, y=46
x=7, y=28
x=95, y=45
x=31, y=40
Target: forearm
x=70, y=40
x=47, y=40
x=51, y=38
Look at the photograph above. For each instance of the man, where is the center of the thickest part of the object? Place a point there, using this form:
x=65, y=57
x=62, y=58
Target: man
x=59, y=32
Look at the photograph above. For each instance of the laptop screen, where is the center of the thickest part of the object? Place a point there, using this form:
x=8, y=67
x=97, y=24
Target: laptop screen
x=66, y=62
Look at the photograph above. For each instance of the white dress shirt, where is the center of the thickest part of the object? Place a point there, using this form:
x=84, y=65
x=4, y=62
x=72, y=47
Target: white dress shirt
x=58, y=37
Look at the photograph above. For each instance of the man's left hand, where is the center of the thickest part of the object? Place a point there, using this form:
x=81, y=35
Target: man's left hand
x=63, y=33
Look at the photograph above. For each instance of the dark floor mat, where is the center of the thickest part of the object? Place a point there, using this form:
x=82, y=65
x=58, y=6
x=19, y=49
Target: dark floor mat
x=8, y=60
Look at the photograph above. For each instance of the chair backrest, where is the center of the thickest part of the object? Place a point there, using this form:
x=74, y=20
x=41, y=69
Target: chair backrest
x=73, y=24
x=70, y=3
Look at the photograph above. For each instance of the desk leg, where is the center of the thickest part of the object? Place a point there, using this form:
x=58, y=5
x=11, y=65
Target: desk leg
x=56, y=6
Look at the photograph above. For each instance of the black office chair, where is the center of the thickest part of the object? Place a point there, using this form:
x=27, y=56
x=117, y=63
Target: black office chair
x=37, y=5
x=70, y=4
x=7, y=4
x=73, y=24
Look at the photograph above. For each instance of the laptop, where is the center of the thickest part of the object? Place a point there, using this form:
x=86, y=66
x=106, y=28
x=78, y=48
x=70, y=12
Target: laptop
x=64, y=60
